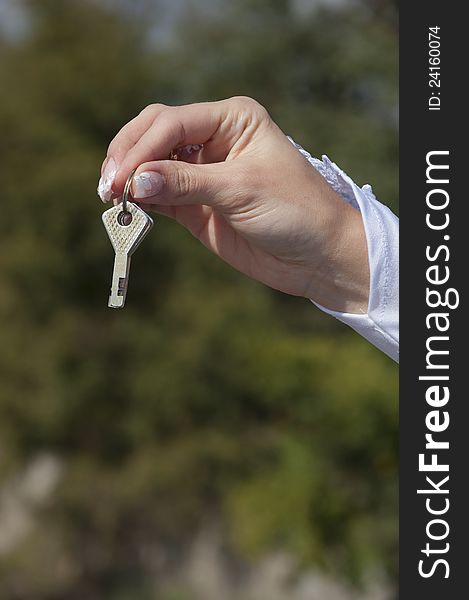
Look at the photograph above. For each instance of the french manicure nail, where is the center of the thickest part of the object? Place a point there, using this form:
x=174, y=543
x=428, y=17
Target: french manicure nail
x=106, y=180
x=146, y=185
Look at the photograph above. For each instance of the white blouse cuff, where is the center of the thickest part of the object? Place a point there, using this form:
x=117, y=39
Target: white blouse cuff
x=380, y=325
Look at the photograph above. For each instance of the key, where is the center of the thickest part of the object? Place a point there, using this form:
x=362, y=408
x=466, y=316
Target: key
x=126, y=230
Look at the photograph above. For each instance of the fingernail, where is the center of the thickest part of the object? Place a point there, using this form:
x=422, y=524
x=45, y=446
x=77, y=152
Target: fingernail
x=106, y=180
x=146, y=185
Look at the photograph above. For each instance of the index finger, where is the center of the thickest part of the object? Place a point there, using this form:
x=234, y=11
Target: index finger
x=129, y=135
x=175, y=126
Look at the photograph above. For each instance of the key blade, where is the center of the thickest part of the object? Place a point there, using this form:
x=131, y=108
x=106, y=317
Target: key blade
x=120, y=279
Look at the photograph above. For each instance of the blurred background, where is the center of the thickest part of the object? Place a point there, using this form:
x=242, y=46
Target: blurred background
x=216, y=440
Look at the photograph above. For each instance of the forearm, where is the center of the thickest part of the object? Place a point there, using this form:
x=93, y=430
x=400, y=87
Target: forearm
x=379, y=322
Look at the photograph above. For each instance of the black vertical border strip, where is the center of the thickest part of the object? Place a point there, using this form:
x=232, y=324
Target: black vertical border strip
x=422, y=131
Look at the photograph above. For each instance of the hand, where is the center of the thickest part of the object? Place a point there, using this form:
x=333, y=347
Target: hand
x=247, y=194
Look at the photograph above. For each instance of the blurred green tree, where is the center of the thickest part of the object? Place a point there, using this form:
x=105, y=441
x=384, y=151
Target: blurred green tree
x=209, y=397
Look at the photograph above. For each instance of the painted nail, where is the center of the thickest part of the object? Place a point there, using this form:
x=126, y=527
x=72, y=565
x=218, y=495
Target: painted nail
x=106, y=180
x=146, y=185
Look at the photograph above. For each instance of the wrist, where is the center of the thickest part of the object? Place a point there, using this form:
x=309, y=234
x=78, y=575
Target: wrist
x=340, y=278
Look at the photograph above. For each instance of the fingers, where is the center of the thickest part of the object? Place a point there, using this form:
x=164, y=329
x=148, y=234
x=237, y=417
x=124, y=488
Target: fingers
x=121, y=144
x=129, y=135
x=193, y=217
x=174, y=127
x=204, y=223
x=174, y=183
x=159, y=129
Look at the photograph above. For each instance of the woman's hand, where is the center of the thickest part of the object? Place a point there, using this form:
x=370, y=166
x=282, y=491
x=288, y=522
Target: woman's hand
x=247, y=194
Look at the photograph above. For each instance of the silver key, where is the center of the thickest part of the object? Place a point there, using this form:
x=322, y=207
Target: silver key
x=126, y=230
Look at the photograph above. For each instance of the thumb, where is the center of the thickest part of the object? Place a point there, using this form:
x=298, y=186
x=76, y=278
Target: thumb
x=169, y=182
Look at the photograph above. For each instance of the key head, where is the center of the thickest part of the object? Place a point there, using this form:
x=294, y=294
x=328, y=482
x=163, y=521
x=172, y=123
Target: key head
x=126, y=230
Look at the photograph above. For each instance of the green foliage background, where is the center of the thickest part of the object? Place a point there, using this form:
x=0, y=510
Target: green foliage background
x=209, y=398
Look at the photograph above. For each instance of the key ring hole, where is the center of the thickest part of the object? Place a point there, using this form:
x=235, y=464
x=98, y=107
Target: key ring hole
x=124, y=218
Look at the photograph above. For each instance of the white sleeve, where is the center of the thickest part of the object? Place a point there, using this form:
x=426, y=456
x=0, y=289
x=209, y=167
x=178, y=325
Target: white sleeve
x=380, y=325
